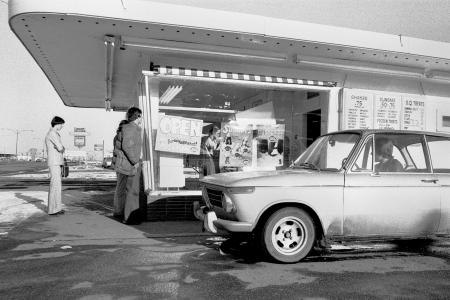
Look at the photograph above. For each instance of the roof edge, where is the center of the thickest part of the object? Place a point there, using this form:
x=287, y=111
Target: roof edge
x=180, y=15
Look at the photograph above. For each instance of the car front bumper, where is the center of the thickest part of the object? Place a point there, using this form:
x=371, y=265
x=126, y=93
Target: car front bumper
x=215, y=225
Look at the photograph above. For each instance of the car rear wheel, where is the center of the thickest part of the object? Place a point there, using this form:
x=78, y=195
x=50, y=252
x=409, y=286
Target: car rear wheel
x=288, y=235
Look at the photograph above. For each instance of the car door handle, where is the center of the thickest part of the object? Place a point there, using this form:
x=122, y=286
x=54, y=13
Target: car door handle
x=430, y=180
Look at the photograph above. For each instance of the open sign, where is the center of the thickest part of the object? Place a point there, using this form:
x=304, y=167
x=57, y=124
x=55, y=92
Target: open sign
x=180, y=126
x=179, y=135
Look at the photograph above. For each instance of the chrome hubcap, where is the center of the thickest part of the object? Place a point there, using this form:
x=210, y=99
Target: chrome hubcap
x=289, y=235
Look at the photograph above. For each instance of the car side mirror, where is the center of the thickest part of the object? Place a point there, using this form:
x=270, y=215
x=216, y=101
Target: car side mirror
x=375, y=174
x=344, y=161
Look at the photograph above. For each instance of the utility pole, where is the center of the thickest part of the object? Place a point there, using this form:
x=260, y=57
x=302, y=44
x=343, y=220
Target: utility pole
x=17, y=132
x=38, y=147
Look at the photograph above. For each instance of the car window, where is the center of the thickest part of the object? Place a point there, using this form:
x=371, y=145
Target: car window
x=400, y=153
x=439, y=148
x=364, y=162
x=415, y=151
x=328, y=152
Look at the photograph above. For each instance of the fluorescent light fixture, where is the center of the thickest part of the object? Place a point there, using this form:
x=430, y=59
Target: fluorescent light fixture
x=170, y=94
x=197, y=109
x=201, y=49
x=109, y=44
x=357, y=66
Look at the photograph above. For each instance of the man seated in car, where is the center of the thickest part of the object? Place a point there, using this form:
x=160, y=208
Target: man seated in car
x=383, y=155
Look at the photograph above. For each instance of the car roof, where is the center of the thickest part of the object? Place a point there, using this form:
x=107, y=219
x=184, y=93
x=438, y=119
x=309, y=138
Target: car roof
x=365, y=132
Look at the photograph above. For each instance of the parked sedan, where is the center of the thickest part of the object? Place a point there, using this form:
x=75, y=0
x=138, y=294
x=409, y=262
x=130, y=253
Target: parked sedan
x=107, y=162
x=358, y=184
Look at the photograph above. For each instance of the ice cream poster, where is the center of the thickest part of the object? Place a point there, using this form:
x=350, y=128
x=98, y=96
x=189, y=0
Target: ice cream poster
x=270, y=141
x=235, y=145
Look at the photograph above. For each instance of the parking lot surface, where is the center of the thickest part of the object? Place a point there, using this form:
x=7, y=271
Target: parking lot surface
x=86, y=254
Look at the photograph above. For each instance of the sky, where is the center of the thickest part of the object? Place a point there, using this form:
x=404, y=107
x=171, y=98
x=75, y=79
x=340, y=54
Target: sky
x=29, y=102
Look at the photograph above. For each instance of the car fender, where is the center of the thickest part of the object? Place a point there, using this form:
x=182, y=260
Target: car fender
x=273, y=206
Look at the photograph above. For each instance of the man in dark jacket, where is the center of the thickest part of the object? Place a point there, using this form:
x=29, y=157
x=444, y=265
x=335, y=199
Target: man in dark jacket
x=127, y=164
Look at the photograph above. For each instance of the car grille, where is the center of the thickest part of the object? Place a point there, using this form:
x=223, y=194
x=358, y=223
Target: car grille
x=215, y=197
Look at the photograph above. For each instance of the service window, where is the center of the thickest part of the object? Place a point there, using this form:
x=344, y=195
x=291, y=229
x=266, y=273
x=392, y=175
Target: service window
x=210, y=127
x=439, y=153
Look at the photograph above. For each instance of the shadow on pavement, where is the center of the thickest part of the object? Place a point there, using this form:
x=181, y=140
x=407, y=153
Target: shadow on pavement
x=246, y=251
x=418, y=245
x=35, y=201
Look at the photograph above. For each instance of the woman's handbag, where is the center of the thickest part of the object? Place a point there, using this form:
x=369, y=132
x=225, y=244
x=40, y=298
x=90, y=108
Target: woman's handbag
x=64, y=169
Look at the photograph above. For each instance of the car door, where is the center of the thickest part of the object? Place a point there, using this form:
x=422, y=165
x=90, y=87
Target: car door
x=386, y=203
x=440, y=160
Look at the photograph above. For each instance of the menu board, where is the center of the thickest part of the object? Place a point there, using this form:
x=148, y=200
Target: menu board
x=387, y=111
x=413, y=113
x=374, y=109
x=358, y=110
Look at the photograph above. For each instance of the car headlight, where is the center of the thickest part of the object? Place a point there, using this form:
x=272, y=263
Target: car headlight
x=227, y=204
x=241, y=190
x=227, y=201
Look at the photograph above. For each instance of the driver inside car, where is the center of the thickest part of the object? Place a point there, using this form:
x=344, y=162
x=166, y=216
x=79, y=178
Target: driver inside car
x=383, y=155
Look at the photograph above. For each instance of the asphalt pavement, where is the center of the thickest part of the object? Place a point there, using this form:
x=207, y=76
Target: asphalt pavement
x=87, y=254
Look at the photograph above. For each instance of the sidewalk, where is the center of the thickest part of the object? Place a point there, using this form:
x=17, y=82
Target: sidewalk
x=23, y=218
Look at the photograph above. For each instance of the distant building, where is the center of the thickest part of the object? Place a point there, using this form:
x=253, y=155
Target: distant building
x=24, y=157
x=7, y=156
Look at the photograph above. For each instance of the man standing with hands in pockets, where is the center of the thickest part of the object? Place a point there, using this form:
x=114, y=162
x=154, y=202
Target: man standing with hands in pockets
x=128, y=165
x=55, y=160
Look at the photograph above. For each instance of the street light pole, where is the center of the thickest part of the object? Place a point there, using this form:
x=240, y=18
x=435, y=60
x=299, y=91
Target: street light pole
x=17, y=132
x=38, y=147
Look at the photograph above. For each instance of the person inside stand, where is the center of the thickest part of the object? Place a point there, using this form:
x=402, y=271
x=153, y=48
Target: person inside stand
x=210, y=149
x=127, y=164
x=120, y=192
x=228, y=139
x=55, y=161
x=383, y=155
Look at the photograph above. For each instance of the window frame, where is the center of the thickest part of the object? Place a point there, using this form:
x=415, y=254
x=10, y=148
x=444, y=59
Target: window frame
x=426, y=156
x=429, y=152
x=362, y=148
x=425, y=150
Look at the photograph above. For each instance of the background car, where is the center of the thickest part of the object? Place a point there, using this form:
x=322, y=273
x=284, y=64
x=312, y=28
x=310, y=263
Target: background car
x=107, y=162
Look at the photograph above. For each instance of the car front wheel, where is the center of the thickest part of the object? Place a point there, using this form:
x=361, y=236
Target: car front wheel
x=288, y=235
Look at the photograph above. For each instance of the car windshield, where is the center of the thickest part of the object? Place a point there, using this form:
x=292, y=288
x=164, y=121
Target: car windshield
x=328, y=153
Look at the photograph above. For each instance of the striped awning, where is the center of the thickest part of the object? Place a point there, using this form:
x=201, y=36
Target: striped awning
x=239, y=76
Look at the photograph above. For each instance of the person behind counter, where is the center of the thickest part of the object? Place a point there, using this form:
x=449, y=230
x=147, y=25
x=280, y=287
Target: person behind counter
x=210, y=151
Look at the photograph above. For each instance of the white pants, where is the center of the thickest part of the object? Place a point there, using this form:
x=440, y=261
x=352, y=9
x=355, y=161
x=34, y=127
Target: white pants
x=54, y=193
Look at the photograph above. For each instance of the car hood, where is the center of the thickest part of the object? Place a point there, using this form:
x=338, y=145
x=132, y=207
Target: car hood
x=290, y=177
